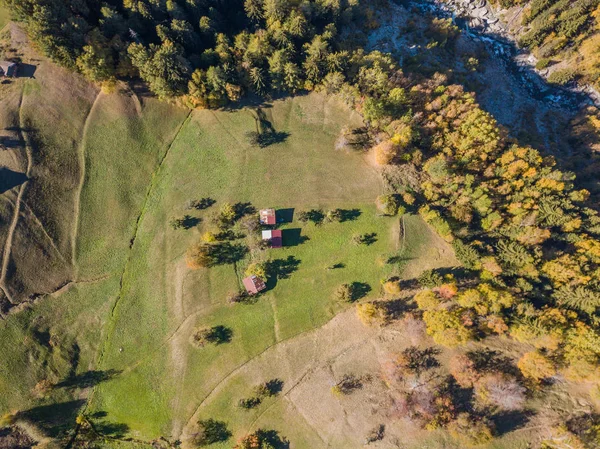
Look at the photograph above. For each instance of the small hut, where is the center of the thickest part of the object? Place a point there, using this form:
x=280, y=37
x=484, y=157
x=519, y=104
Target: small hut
x=275, y=237
x=268, y=217
x=254, y=285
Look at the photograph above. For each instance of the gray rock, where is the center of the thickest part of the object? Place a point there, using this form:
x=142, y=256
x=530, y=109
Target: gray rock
x=480, y=12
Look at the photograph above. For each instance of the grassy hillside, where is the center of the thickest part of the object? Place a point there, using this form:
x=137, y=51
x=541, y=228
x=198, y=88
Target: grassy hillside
x=117, y=305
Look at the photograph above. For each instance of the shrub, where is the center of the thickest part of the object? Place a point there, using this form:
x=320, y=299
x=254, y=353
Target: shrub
x=430, y=279
x=210, y=431
x=501, y=390
x=385, y=152
x=371, y=313
x=536, y=366
x=211, y=335
x=258, y=269
x=543, y=63
x=249, y=403
x=467, y=255
x=335, y=215
x=562, y=76
x=375, y=434
x=416, y=361
x=364, y=239
x=344, y=293
x=347, y=385
x=314, y=215
x=392, y=287
x=237, y=297
x=463, y=369
x=473, y=431
x=390, y=205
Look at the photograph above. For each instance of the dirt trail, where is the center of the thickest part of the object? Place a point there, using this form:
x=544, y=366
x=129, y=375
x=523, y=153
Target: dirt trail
x=17, y=210
x=77, y=200
x=178, y=344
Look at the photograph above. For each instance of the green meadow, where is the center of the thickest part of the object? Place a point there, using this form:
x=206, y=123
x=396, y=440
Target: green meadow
x=116, y=340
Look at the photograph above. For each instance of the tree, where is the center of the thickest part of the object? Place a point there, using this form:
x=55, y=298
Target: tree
x=471, y=430
x=163, y=66
x=371, y=313
x=211, y=335
x=390, y=205
x=536, y=366
x=258, y=269
x=501, y=390
x=210, y=431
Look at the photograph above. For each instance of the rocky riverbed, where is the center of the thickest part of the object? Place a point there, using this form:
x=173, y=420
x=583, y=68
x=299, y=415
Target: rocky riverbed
x=480, y=20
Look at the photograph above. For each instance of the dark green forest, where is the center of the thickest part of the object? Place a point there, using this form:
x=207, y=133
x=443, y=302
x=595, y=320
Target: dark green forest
x=212, y=51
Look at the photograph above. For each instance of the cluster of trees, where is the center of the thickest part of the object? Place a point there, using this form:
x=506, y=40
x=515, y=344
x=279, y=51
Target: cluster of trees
x=221, y=245
x=520, y=224
x=515, y=220
x=262, y=439
x=207, y=50
x=262, y=391
x=556, y=26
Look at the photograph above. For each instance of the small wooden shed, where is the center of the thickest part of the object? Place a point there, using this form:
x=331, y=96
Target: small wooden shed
x=254, y=284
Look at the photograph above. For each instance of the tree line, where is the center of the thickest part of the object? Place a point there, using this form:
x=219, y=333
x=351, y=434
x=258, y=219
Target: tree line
x=207, y=52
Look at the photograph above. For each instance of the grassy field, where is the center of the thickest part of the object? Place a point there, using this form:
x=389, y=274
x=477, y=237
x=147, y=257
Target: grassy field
x=210, y=157
x=115, y=337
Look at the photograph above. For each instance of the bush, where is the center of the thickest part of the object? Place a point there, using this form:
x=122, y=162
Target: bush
x=371, y=313
x=249, y=403
x=364, y=239
x=501, y=390
x=390, y=205
x=347, y=385
x=344, y=293
x=392, y=287
x=430, y=279
x=210, y=431
x=211, y=335
x=543, y=63
x=473, y=431
x=258, y=269
x=562, y=77
x=536, y=366
x=464, y=370
x=314, y=215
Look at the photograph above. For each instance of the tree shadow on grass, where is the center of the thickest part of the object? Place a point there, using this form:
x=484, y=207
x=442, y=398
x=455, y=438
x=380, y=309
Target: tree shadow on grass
x=490, y=361
x=509, y=421
x=53, y=419
x=359, y=290
x=283, y=268
x=88, y=379
x=243, y=209
x=225, y=253
x=293, y=237
x=110, y=429
x=274, y=386
x=189, y=222
x=266, y=139
x=349, y=214
x=273, y=438
x=397, y=308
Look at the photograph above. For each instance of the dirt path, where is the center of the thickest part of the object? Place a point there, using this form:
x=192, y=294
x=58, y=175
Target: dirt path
x=178, y=344
x=17, y=210
x=82, y=167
